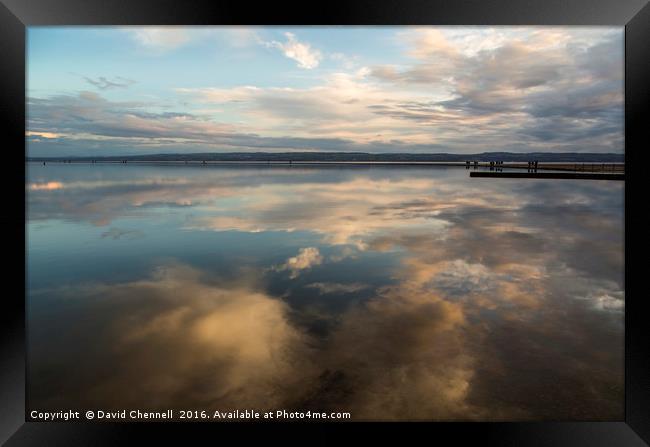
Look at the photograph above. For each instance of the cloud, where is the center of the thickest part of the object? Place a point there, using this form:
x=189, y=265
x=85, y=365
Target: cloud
x=103, y=83
x=454, y=90
x=337, y=111
x=330, y=287
x=160, y=39
x=346, y=213
x=178, y=339
x=119, y=233
x=112, y=198
x=305, y=259
x=504, y=79
x=609, y=302
x=347, y=61
x=472, y=305
x=306, y=56
x=77, y=122
x=48, y=135
x=224, y=346
x=424, y=211
x=407, y=351
x=46, y=186
x=520, y=90
x=460, y=277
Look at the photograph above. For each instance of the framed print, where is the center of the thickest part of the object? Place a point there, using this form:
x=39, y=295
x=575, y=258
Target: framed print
x=361, y=217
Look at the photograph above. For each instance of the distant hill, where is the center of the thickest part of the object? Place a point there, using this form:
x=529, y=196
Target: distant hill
x=354, y=156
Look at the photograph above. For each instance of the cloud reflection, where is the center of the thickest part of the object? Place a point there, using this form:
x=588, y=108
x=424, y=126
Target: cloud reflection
x=306, y=259
x=497, y=300
x=173, y=340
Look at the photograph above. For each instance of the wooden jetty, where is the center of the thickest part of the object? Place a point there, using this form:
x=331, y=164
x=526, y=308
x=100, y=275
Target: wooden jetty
x=549, y=175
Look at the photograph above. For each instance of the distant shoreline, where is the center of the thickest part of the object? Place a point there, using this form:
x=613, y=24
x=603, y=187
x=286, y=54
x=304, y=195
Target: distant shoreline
x=343, y=158
x=584, y=167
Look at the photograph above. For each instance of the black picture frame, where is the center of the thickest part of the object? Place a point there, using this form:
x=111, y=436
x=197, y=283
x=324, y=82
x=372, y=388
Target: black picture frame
x=16, y=15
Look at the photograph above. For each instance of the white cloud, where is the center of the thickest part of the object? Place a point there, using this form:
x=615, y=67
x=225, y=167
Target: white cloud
x=305, y=259
x=340, y=107
x=239, y=37
x=48, y=135
x=306, y=56
x=608, y=302
x=607, y=297
x=161, y=38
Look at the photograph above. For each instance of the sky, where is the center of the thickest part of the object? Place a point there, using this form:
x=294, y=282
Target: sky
x=454, y=89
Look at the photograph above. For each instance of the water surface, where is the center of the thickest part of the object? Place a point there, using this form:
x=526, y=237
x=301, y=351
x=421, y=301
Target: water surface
x=389, y=292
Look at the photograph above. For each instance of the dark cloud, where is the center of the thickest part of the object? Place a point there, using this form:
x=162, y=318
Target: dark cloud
x=562, y=96
x=104, y=83
x=125, y=123
x=119, y=233
x=89, y=122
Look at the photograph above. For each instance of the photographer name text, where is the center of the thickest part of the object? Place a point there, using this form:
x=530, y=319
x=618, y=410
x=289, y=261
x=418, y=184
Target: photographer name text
x=230, y=415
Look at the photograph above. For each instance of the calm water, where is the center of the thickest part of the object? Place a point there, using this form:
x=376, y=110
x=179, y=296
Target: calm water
x=391, y=293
